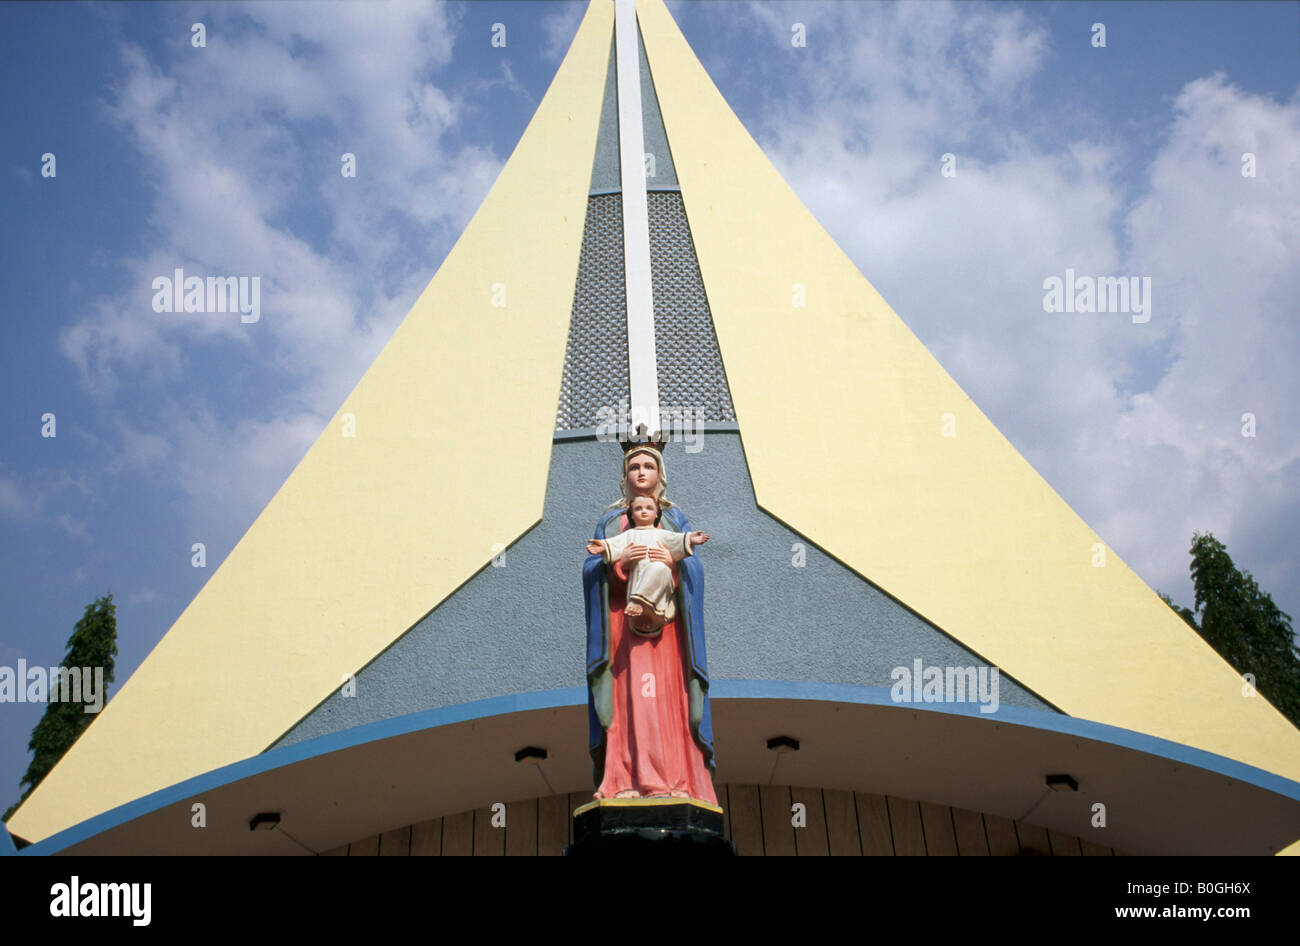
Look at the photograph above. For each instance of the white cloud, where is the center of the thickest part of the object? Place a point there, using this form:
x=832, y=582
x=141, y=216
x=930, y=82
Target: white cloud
x=237, y=139
x=42, y=499
x=231, y=471
x=141, y=448
x=1225, y=250
x=144, y=596
x=559, y=29
x=10, y=499
x=77, y=528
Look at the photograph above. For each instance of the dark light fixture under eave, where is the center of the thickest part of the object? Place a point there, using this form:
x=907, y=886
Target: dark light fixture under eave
x=783, y=744
x=1062, y=783
x=531, y=755
x=265, y=821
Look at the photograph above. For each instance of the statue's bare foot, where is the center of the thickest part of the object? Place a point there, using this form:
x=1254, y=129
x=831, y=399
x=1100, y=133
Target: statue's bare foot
x=633, y=610
x=679, y=794
x=628, y=793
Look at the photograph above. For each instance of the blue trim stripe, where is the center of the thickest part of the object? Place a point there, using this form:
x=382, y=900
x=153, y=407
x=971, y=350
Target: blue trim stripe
x=719, y=689
x=308, y=749
x=1016, y=716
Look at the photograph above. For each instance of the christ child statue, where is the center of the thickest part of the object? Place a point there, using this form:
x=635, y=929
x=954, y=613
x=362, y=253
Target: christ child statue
x=650, y=597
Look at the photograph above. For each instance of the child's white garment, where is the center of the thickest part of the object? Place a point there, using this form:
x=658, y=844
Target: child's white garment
x=650, y=583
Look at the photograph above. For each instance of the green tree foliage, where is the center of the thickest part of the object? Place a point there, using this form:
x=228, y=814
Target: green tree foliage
x=93, y=644
x=1243, y=625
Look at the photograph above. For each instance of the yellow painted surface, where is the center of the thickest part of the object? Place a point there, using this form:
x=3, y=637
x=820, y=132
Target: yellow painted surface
x=842, y=410
x=453, y=429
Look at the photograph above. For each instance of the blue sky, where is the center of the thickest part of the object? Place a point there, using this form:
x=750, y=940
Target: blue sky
x=175, y=428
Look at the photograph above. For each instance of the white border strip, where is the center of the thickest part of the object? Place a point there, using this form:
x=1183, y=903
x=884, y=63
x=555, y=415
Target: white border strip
x=643, y=372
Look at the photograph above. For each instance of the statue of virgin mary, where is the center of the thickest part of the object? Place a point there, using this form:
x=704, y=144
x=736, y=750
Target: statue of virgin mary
x=647, y=697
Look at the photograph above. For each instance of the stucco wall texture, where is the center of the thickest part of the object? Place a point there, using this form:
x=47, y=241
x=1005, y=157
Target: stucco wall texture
x=519, y=627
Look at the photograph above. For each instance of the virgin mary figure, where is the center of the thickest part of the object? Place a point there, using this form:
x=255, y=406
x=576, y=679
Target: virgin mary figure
x=647, y=697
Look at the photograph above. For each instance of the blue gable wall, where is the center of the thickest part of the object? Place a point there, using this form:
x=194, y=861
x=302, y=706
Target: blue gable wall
x=519, y=628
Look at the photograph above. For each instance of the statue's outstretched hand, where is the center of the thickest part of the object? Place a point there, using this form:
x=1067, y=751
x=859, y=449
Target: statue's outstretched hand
x=699, y=538
x=594, y=547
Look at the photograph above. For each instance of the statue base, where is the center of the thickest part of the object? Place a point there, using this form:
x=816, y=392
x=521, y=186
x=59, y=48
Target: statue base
x=642, y=826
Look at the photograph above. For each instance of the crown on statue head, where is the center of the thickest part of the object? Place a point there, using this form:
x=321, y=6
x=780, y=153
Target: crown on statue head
x=639, y=439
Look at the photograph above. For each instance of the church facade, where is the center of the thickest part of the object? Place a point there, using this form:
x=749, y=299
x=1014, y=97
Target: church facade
x=911, y=646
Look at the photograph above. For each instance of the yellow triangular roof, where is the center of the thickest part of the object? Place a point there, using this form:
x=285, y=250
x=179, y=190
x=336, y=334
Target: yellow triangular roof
x=453, y=427
x=843, y=414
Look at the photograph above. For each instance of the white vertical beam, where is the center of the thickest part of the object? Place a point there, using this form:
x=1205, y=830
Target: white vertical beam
x=642, y=365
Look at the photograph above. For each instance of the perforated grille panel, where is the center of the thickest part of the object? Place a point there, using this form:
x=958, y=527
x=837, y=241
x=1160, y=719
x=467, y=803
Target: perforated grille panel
x=690, y=365
x=595, y=360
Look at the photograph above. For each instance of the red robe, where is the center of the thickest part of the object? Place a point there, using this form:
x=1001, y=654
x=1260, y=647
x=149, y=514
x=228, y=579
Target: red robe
x=649, y=746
